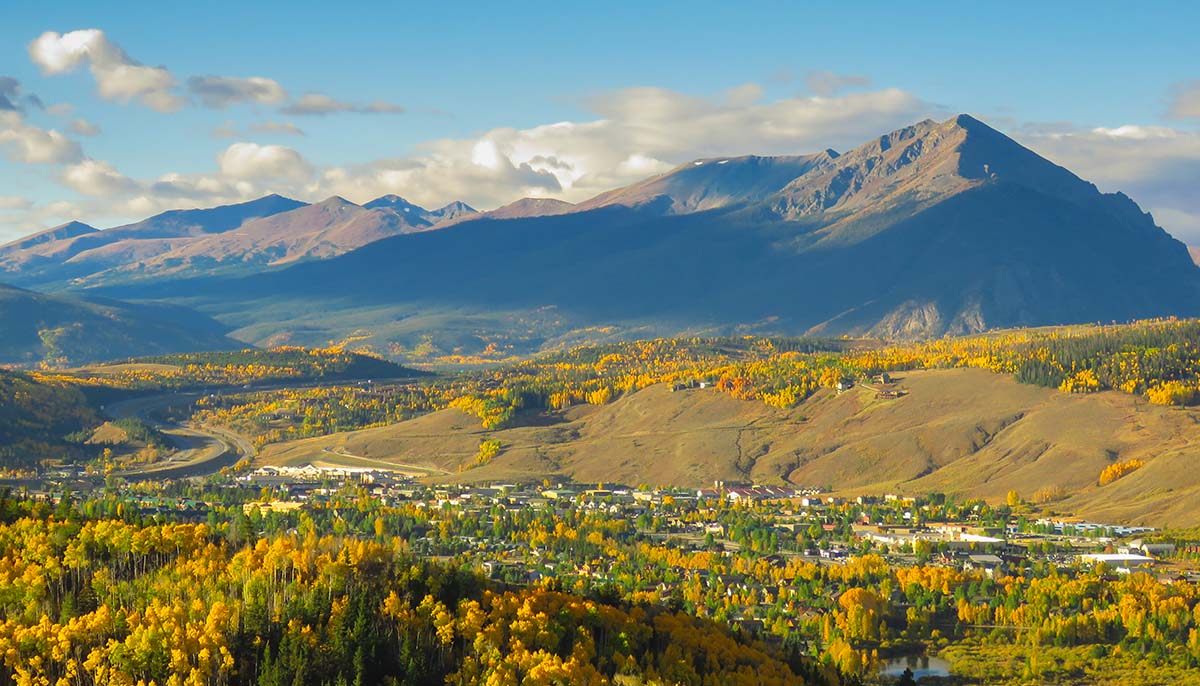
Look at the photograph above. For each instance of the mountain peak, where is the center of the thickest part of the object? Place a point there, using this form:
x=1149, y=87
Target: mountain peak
x=395, y=202
x=74, y=228
x=334, y=201
x=966, y=121
x=531, y=207
x=61, y=232
x=454, y=210
x=921, y=163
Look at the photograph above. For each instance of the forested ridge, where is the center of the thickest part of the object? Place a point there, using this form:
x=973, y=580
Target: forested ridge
x=235, y=367
x=1158, y=360
x=36, y=416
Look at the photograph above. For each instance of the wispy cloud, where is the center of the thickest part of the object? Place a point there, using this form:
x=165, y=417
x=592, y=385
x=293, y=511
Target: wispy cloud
x=828, y=83
x=14, y=202
x=1185, y=100
x=222, y=91
x=83, y=127
x=285, y=128
x=9, y=88
x=12, y=100
x=265, y=128
x=318, y=104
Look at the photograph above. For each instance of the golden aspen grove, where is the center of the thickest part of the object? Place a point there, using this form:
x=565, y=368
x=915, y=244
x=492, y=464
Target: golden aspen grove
x=1158, y=360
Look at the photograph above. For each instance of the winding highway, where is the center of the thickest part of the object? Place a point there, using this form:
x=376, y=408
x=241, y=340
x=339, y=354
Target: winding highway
x=202, y=450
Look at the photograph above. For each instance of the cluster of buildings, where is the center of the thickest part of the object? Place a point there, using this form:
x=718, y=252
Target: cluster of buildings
x=835, y=528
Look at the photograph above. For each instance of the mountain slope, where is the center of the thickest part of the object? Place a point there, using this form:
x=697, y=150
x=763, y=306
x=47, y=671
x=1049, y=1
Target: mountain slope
x=712, y=183
x=200, y=222
x=63, y=330
x=530, y=207
x=915, y=168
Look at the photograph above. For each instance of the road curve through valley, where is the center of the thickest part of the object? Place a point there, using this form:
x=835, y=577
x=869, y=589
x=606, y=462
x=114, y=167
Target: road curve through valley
x=203, y=450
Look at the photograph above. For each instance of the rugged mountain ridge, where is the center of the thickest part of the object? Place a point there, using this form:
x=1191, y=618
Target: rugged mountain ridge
x=315, y=231
x=241, y=238
x=939, y=227
x=76, y=250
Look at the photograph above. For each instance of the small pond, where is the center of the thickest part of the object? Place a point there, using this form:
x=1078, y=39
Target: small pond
x=921, y=665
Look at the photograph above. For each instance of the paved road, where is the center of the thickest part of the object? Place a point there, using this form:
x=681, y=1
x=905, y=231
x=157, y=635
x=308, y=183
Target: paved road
x=202, y=450
x=399, y=468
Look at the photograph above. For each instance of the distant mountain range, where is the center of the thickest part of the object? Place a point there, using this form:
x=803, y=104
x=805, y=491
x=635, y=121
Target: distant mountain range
x=242, y=238
x=939, y=227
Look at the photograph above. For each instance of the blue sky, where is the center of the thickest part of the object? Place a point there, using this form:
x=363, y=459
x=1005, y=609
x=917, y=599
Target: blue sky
x=1106, y=89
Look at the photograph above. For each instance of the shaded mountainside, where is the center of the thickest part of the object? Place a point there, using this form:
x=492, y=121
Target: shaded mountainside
x=61, y=330
x=937, y=228
x=966, y=432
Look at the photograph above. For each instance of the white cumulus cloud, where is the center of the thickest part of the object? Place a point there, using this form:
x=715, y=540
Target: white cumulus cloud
x=95, y=177
x=22, y=142
x=118, y=76
x=264, y=162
